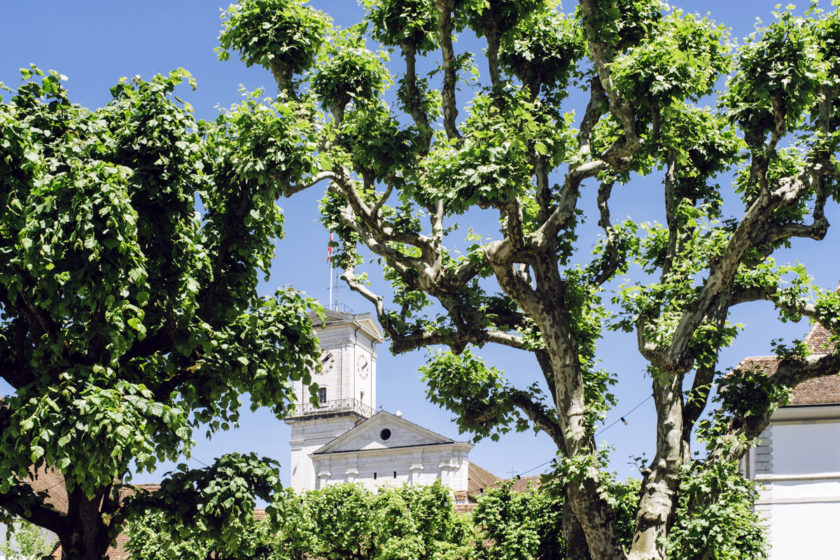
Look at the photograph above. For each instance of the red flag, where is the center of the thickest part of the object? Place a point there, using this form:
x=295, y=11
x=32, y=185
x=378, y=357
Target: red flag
x=329, y=248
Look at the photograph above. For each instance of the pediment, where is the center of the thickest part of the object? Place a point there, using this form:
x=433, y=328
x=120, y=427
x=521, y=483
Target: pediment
x=337, y=319
x=369, y=435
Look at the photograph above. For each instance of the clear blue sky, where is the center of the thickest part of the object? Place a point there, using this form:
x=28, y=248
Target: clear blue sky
x=95, y=42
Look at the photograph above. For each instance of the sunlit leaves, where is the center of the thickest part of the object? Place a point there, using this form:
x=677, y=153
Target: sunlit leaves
x=475, y=392
x=403, y=22
x=542, y=50
x=212, y=505
x=777, y=75
x=280, y=35
x=494, y=162
x=682, y=60
x=348, y=71
x=519, y=525
x=128, y=318
x=90, y=418
x=726, y=527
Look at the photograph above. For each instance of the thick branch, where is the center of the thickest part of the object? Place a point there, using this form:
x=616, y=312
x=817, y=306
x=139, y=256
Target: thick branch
x=599, y=53
x=491, y=31
x=405, y=342
x=538, y=415
x=593, y=113
x=413, y=100
x=723, y=271
x=289, y=189
x=30, y=503
x=565, y=209
x=444, y=28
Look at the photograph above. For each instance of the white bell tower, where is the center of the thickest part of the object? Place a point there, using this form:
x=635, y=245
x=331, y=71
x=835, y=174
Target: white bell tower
x=346, y=390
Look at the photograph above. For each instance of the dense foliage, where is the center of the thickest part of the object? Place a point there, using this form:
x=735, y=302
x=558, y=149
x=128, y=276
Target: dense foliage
x=25, y=541
x=132, y=239
x=409, y=167
x=346, y=521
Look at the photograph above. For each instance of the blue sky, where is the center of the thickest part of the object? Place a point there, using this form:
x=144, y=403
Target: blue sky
x=95, y=42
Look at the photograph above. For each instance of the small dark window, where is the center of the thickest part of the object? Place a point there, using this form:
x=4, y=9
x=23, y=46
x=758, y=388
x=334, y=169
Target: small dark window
x=385, y=434
x=374, y=476
x=322, y=395
x=395, y=474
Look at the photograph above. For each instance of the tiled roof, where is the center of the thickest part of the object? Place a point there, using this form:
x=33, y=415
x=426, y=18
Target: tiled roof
x=478, y=479
x=817, y=391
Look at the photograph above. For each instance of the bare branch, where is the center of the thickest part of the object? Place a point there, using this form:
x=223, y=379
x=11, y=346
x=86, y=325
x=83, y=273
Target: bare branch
x=382, y=200
x=491, y=32
x=591, y=116
x=289, y=190
x=412, y=94
x=611, y=259
x=405, y=342
x=671, y=203
x=538, y=415
x=565, y=209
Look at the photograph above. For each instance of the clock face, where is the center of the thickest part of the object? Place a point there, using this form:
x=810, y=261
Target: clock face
x=327, y=361
x=363, y=366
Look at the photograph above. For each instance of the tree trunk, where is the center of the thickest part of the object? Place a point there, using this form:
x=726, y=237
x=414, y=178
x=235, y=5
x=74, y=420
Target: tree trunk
x=87, y=536
x=661, y=484
x=576, y=547
x=594, y=514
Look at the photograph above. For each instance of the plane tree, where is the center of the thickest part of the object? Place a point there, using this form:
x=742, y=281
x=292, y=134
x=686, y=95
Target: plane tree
x=404, y=165
x=132, y=239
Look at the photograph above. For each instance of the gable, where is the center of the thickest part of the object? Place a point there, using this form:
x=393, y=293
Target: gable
x=383, y=430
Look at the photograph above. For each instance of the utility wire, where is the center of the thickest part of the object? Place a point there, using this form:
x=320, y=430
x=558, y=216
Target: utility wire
x=622, y=418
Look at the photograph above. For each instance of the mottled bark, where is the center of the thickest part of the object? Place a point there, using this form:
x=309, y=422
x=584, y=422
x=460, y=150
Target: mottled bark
x=661, y=481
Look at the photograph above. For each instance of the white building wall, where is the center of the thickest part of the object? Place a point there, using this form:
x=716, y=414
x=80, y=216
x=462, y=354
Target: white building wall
x=307, y=436
x=798, y=464
x=395, y=467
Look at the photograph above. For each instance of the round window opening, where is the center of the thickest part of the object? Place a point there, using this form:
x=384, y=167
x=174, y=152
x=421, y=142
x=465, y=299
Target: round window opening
x=385, y=434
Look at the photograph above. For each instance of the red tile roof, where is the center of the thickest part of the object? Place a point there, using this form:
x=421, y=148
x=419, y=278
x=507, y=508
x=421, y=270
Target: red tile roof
x=817, y=391
x=478, y=479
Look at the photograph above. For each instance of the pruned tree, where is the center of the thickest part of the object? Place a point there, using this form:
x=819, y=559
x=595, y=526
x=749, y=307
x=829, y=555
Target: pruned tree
x=399, y=176
x=131, y=242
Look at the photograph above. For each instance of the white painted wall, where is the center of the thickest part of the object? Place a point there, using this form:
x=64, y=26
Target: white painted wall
x=343, y=378
x=421, y=466
x=307, y=436
x=798, y=464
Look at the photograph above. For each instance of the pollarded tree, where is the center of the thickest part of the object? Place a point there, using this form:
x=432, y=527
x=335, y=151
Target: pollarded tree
x=400, y=176
x=128, y=319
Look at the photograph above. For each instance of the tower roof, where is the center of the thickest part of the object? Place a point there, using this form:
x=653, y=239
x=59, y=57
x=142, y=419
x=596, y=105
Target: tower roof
x=363, y=321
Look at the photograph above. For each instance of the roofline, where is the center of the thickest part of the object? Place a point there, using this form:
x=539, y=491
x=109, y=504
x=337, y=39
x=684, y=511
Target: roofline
x=342, y=318
x=394, y=448
x=345, y=436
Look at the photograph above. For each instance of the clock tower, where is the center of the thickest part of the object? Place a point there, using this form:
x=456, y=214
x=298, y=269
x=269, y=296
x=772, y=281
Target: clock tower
x=346, y=390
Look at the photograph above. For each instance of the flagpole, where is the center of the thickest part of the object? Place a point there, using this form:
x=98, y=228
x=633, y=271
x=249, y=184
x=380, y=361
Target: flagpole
x=331, y=288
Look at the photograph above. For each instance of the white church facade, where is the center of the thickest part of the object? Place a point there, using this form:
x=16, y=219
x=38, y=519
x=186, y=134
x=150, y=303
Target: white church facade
x=345, y=439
